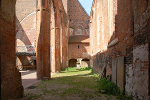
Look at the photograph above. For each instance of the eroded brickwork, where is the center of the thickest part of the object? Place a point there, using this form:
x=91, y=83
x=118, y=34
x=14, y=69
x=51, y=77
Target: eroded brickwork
x=121, y=29
x=119, y=40
x=141, y=49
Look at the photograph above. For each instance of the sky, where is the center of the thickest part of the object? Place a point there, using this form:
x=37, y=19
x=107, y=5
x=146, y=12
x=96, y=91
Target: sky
x=87, y=4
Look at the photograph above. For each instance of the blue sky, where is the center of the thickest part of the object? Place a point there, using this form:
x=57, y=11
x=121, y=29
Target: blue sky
x=87, y=4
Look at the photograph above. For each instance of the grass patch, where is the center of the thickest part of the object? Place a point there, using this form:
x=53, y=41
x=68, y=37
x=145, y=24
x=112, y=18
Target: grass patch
x=32, y=96
x=69, y=83
x=110, y=88
x=86, y=68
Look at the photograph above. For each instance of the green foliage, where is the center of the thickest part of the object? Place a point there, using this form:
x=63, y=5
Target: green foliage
x=108, y=87
x=124, y=96
x=85, y=68
x=70, y=69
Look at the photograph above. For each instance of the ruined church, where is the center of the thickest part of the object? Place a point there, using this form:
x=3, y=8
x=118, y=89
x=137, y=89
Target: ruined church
x=51, y=35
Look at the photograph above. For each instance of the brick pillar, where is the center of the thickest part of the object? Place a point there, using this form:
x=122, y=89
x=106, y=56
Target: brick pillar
x=57, y=49
x=11, y=86
x=57, y=35
x=43, y=40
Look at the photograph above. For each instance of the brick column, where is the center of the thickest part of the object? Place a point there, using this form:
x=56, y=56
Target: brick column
x=57, y=35
x=11, y=85
x=43, y=40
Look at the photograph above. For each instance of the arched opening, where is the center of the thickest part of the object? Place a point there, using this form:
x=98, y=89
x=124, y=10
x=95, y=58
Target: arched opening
x=79, y=30
x=85, y=63
x=25, y=34
x=72, y=62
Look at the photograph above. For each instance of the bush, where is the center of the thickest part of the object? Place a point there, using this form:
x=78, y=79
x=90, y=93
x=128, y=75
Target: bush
x=108, y=87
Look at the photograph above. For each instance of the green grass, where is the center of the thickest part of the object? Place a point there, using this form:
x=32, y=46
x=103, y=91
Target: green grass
x=33, y=96
x=69, y=83
x=110, y=88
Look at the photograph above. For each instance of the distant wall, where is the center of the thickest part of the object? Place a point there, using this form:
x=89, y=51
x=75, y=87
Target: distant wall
x=78, y=18
x=79, y=51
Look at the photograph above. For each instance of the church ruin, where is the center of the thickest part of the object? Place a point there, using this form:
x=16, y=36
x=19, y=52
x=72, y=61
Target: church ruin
x=54, y=34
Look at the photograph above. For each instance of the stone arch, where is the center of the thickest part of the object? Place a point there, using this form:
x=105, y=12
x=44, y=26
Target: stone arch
x=72, y=62
x=79, y=30
x=85, y=62
x=25, y=34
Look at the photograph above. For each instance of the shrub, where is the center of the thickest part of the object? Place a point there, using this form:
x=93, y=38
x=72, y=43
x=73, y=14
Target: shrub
x=108, y=87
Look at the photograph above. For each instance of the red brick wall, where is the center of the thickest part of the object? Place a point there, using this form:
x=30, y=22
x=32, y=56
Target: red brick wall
x=79, y=51
x=126, y=23
x=77, y=14
x=59, y=35
x=78, y=25
x=78, y=18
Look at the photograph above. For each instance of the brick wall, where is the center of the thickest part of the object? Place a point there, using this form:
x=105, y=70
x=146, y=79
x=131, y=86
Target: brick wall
x=141, y=38
x=78, y=18
x=79, y=50
x=78, y=26
x=120, y=29
x=59, y=35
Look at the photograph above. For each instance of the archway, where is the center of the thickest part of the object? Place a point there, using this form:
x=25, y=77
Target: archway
x=79, y=30
x=85, y=63
x=72, y=62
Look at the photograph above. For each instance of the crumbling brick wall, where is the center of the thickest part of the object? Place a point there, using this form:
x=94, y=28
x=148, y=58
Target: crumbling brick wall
x=141, y=49
x=121, y=30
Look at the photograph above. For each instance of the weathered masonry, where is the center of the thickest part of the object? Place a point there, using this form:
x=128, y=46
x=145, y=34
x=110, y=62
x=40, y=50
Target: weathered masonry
x=32, y=27
x=78, y=43
x=120, y=43
x=114, y=41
